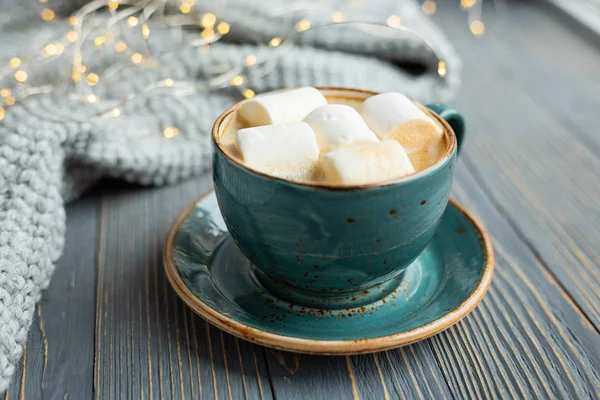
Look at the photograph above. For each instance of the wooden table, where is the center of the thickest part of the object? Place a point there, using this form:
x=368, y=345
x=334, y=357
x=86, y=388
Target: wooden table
x=110, y=326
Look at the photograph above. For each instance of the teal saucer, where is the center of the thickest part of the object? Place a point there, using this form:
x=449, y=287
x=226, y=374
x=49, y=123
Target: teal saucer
x=215, y=279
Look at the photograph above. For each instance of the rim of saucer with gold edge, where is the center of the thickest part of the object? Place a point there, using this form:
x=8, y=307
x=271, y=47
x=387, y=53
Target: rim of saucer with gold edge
x=328, y=347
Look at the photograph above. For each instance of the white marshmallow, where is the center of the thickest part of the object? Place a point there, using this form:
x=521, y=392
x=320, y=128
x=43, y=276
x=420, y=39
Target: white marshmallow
x=284, y=150
x=281, y=107
x=394, y=116
x=338, y=126
x=370, y=163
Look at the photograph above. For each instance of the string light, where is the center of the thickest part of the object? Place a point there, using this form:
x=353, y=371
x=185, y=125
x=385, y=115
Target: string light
x=91, y=98
x=170, y=132
x=5, y=92
x=185, y=8
x=113, y=4
x=132, y=21
x=73, y=20
x=167, y=82
x=145, y=31
x=208, y=20
x=249, y=93
x=442, y=69
x=394, y=21
x=276, y=41
x=60, y=48
x=237, y=80
x=429, y=7
x=303, y=25
x=466, y=4
x=99, y=40
x=338, y=17
x=9, y=101
x=92, y=79
x=120, y=46
x=21, y=76
x=115, y=112
x=75, y=75
x=1, y=113
x=14, y=63
x=71, y=36
x=43, y=1
x=223, y=28
x=208, y=33
x=250, y=60
x=477, y=28
x=47, y=14
x=136, y=58
x=49, y=50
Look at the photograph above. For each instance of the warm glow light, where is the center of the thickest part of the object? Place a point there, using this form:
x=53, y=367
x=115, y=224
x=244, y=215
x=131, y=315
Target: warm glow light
x=250, y=60
x=60, y=48
x=115, y=112
x=237, y=80
x=92, y=79
x=467, y=3
x=120, y=46
x=223, y=28
x=76, y=75
x=477, y=28
x=113, y=4
x=14, y=63
x=167, y=82
x=21, y=76
x=428, y=7
x=276, y=41
x=442, y=69
x=1, y=113
x=337, y=17
x=71, y=36
x=49, y=49
x=303, y=25
x=185, y=8
x=145, y=31
x=91, y=98
x=136, y=58
x=47, y=14
x=249, y=93
x=170, y=132
x=208, y=33
x=9, y=101
x=132, y=21
x=99, y=40
x=43, y=1
x=208, y=20
x=394, y=21
x=5, y=92
x=73, y=20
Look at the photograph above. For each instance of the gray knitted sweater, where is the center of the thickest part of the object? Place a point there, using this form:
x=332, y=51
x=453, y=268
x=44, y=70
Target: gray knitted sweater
x=51, y=151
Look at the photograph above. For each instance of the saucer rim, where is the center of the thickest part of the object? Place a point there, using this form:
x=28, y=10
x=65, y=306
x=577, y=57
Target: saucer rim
x=328, y=347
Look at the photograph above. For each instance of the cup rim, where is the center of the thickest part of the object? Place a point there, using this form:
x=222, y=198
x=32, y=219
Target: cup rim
x=448, y=131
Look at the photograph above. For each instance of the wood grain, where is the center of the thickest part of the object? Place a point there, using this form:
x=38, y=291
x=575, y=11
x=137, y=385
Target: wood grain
x=533, y=146
x=148, y=344
x=59, y=358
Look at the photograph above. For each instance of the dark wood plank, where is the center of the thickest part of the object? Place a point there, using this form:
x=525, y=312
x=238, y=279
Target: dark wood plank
x=533, y=143
x=148, y=344
x=59, y=356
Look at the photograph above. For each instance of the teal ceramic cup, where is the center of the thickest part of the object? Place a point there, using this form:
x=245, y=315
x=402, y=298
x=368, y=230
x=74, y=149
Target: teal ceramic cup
x=333, y=247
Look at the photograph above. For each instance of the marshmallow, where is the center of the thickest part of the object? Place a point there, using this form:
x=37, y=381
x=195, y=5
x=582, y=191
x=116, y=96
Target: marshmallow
x=281, y=107
x=284, y=150
x=394, y=116
x=338, y=126
x=370, y=163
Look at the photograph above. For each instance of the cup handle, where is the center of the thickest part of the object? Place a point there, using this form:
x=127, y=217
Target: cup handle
x=454, y=119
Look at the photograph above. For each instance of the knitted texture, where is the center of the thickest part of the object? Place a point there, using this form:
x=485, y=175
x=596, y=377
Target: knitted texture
x=51, y=150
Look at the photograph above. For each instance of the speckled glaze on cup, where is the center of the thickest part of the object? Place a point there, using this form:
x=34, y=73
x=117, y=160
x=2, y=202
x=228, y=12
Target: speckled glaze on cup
x=327, y=246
